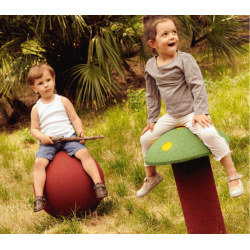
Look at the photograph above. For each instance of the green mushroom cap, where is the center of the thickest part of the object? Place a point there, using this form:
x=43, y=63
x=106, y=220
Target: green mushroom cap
x=178, y=145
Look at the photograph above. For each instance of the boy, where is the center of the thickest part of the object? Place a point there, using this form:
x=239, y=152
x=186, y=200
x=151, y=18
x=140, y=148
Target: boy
x=52, y=116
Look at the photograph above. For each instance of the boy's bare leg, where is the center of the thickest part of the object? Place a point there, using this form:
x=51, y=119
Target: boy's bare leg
x=88, y=164
x=150, y=171
x=230, y=169
x=40, y=175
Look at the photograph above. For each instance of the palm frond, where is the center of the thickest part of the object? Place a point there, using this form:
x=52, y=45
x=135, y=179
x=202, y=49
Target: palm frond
x=11, y=45
x=105, y=52
x=92, y=83
x=189, y=24
x=216, y=33
x=70, y=28
x=144, y=53
x=14, y=70
x=221, y=37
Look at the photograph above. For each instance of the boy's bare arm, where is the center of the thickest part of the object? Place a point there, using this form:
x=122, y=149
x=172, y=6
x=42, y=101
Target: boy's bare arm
x=74, y=118
x=35, y=128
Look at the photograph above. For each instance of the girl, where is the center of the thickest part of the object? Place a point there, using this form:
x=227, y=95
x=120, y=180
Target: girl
x=52, y=116
x=176, y=77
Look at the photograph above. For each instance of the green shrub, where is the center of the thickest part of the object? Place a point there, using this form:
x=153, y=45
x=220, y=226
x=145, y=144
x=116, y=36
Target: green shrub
x=136, y=99
x=27, y=136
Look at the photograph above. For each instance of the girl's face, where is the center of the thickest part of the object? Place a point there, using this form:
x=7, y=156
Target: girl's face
x=166, y=40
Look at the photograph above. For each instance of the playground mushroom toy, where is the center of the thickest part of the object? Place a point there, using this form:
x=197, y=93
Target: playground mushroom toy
x=194, y=178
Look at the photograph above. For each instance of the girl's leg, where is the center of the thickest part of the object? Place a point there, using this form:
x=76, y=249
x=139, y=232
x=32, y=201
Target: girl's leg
x=217, y=144
x=230, y=169
x=40, y=175
x=150, y=171
x=88, y=164
x=164, y=124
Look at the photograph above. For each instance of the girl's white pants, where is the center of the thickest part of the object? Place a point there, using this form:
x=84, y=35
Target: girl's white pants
x=209, y=135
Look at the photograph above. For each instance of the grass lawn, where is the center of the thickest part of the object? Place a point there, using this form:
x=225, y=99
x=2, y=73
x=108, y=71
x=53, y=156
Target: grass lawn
x=120, y=157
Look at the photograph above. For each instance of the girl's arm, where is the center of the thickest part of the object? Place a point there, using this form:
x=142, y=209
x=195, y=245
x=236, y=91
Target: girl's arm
x=196, y=84
x=35, y=128
x=153, y=98
x=74, y=118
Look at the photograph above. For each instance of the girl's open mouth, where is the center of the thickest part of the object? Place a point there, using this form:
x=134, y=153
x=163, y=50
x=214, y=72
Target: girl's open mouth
x=171, y=44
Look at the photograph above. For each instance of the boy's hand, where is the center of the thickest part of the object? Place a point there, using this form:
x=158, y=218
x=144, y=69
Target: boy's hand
x=149, y=126
x=45, y=140
x=202, y=119
x=82, y=135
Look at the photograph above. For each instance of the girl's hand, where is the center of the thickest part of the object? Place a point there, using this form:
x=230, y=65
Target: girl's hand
x=45, y=140
x=202, y=119
x=82, y=135
x=149, y=126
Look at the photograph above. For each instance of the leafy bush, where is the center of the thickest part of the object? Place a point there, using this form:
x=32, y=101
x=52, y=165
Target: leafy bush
x=27, y=136
x=136, y=100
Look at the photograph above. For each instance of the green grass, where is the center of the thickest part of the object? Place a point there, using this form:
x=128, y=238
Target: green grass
x=137, y=175
x=4, y=194
x=28, y=160
x=121, y=189
x=120, y=157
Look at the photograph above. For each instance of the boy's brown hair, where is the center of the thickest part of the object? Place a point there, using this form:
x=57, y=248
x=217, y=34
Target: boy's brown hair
x=36, y=72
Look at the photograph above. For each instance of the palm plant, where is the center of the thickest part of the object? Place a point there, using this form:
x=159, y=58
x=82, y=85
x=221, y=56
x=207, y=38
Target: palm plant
x=86, y=51
x=216, y=35
x=83, y=50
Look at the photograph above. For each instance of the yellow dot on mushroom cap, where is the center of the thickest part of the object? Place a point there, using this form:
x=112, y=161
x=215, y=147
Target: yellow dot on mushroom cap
x=166, y=146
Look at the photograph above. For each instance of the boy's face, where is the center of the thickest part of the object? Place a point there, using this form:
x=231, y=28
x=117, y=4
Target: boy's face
x=45, y=85
x=166, y=40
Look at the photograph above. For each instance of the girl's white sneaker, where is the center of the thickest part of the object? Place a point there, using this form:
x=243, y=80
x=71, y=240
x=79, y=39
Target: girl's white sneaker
x=151, y=182
x=238, y=190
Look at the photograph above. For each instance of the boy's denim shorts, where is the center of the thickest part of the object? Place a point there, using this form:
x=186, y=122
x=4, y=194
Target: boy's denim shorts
x=49, y=151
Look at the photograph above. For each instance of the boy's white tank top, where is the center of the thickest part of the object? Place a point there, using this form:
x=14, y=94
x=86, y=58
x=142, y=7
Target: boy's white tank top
x=53, y=118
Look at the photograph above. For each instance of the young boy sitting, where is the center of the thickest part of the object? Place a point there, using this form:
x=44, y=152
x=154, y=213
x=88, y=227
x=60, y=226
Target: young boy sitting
x=52, y=116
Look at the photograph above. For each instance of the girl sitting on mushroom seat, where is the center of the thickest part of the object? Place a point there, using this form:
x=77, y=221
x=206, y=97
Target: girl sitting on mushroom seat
x=176, y=77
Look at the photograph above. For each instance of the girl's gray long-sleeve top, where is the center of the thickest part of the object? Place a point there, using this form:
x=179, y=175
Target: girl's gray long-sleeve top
x=179, y=83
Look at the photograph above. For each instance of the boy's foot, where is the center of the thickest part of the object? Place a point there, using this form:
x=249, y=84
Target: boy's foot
x=39, y=203
x=100, y=190
x=149, y=184
x=235, y=191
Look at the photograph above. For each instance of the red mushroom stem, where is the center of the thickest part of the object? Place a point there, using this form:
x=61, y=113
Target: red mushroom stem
x=198, y=196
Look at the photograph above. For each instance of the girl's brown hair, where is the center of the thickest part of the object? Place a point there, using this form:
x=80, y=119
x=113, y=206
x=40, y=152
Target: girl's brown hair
x=150, y=22
x=36, y=72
